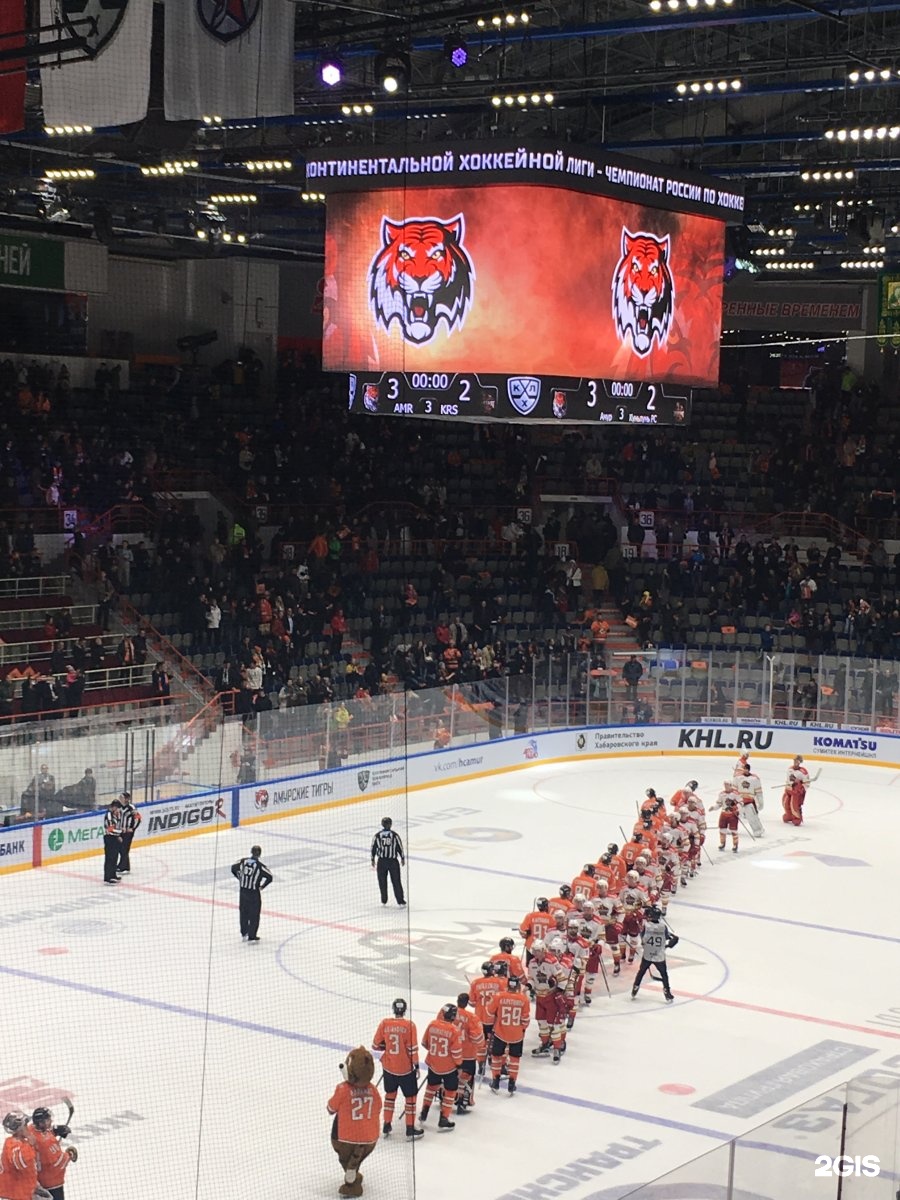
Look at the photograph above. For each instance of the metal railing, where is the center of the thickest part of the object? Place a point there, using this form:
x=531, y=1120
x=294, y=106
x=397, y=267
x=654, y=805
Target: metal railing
x=134, y=675
x=40, y=649
x=203, y=746
x=571, y=690
x=28, y=618
x=35, y=585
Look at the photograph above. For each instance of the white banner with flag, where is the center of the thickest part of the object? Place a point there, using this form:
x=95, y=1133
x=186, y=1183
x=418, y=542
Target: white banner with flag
x=229, y=58
x=113, y=86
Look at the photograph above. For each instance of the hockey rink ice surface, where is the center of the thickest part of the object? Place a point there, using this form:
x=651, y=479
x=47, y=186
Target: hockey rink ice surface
x=200, y=1066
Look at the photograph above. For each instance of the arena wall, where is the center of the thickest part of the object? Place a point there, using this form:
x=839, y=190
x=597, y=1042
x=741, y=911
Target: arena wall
x=81, y=835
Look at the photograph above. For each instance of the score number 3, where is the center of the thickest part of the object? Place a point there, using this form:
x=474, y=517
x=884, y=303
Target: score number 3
x=592, y=403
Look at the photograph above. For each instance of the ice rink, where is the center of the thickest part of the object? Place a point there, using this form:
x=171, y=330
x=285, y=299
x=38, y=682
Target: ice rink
x=200, y=1066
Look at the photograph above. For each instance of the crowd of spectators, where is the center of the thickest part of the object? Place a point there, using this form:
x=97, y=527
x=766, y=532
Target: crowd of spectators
x=484, y=592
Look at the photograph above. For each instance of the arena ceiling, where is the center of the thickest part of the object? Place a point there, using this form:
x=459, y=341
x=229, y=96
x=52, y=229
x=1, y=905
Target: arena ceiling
x=780, y=96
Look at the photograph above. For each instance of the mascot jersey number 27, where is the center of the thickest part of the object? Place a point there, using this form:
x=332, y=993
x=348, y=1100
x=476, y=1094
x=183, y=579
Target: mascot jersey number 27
x=356, y=1108
x=422, y=275
x=643, y=294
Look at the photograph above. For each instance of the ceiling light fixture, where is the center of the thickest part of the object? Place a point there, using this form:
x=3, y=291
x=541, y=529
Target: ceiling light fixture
x=70, y=173
x=177, y=167
x=535, y=98
x=865, y=135
x=269, y=164
x=234, y=198
x=393, y=71
x=67, y=130
x=709, y=86
x=509, y=18
x=331, y=70
x=456, y=50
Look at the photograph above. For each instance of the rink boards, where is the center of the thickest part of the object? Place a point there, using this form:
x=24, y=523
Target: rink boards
x=66, y=839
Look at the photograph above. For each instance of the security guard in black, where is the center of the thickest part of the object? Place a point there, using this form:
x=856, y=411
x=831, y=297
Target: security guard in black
x=387, y=851
x=253, y=877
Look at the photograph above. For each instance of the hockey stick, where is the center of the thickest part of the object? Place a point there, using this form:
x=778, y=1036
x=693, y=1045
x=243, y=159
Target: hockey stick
x=70, y=1107
x=603, y=973
x=748, y=829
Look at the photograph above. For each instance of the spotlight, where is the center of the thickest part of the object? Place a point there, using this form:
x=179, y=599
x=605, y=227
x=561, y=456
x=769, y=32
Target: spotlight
x=331, y=71
x=456, y=50
x=393, y=70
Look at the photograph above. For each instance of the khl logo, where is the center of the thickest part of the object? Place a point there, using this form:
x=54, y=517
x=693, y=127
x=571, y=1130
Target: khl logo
x=524, y=391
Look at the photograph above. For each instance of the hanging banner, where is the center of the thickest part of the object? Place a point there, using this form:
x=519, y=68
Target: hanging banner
x=12, y=85
x=113, y=86
x=32, y=262
x=889, y=308
x=229, y=58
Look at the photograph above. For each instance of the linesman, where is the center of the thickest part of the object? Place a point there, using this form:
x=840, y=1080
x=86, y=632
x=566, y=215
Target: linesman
x=387, y=849
x=131, y=818
x=253, y=876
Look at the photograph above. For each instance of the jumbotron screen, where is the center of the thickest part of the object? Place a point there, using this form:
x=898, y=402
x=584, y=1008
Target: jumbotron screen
x=515, y=278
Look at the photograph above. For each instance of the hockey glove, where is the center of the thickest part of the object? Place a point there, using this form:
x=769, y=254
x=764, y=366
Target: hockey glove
x=72, y=1153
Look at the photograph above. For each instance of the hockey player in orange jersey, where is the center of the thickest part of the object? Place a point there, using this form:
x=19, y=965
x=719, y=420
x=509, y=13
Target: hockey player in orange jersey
x=443, y=1057
x=471, y=1033
x=482, y=990
x=536, y=924
x=511, y=1010
x=585, y=884
x=397, y=1039
x=53, y=1159
x=505, y=954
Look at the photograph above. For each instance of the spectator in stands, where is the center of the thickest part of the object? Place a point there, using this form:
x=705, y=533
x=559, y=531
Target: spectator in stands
x=106, y=594
x=213, y=623
x=80, y=795
x=73, y=690
x=228, y=677
x=40, y=791
x=124, y=561
x=125, y=652
x=632, y=673
x=160, y=684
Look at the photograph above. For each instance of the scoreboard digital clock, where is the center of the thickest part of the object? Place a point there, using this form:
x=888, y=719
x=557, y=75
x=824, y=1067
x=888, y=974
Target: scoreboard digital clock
x=469, y=396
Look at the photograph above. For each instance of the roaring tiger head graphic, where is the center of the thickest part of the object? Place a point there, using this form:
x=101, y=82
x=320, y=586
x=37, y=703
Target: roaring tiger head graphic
x=643, y=294
x=421, y=275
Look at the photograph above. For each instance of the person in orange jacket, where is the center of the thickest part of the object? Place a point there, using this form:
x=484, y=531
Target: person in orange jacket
x=19, y=1161
x=53, y=1159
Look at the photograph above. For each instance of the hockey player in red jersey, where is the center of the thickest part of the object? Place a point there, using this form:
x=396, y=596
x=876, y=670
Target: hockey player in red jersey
x=795, y=792
x=606, y=907
x=632, y=927
x=592, y=931
x=728, y=820
x=545, y=975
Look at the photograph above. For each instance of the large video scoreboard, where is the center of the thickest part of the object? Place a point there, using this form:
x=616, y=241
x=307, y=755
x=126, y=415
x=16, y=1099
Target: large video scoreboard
x=522, y=284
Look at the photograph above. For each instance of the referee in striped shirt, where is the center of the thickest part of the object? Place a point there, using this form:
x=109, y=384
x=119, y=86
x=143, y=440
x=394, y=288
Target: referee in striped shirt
x=253, y=877
x=387, y=848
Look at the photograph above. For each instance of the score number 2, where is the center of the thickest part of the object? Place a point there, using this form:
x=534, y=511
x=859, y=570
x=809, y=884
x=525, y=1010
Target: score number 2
x=592, y=403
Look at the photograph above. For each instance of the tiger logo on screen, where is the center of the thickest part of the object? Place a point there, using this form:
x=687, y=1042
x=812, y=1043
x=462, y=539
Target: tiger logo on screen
x=643, y=293
x=422, y=275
